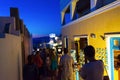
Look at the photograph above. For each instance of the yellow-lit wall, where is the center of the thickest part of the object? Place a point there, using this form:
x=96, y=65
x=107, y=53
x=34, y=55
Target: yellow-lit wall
x=10, y=58
x=102, y=23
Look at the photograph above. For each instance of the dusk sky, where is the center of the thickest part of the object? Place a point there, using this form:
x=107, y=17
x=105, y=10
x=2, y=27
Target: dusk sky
x=40, y=16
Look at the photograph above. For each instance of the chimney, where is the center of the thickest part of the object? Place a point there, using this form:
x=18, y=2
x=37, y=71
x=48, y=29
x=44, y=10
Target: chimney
x=15, y=13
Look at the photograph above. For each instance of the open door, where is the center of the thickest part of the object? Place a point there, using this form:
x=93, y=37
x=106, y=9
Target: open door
x=80, y=44
x=115, y=53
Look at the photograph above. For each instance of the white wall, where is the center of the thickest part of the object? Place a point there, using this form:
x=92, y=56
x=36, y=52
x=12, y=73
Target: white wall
x=4, y=20
x=10, y=58
x=11, y=20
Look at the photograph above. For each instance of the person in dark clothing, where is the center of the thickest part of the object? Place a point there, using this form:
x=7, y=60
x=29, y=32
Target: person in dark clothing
x=39, y=62
x=94, y=69
x=30, y=70
x=54, y=65
x=47, y=70
x=43, y=57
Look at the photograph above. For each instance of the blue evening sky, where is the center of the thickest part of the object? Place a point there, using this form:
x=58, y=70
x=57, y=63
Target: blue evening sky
x=40, y=16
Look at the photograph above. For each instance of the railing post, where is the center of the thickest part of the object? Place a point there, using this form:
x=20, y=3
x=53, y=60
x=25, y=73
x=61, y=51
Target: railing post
x=93, y=4
x=72, y=8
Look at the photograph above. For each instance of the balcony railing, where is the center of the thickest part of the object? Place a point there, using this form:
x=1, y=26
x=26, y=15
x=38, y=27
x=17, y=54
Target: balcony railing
x=87, y=13
x=64, y=3
x=83, y=7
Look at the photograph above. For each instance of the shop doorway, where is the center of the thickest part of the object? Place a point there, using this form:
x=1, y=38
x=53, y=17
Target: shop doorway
x=113, y=51
x=80, y=44
x=83, y=44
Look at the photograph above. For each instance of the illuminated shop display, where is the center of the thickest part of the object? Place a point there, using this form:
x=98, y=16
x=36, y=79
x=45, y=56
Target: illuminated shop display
x=113, y=49
x=73, y=54
x=82, y=58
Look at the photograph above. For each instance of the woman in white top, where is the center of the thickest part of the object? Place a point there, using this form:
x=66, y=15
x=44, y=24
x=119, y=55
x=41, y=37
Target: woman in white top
x=94, y=69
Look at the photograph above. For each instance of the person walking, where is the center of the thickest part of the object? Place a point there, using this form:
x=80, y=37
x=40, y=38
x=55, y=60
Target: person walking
x=47, y=73
x=54, y=65
x=66, y=65
x=30, y=70
x=39, y=62
x=94, y=69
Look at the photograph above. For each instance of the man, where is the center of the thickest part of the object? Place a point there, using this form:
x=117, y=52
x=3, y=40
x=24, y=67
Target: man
x=30, y=70
x=94, y=69
x=66, y=64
